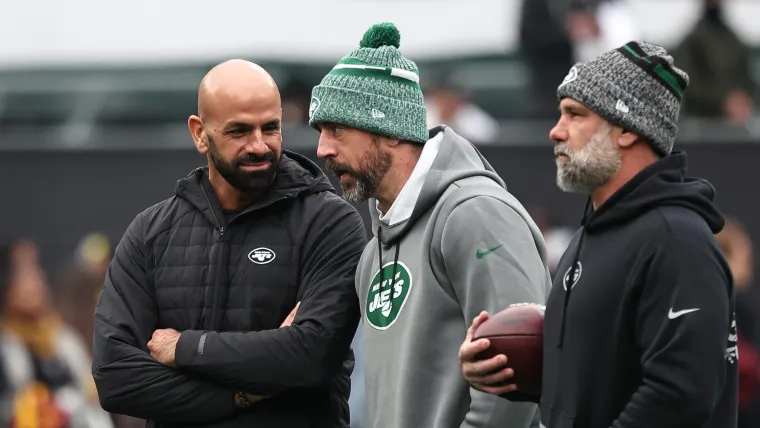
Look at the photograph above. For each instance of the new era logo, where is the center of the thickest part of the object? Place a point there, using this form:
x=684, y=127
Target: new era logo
x=620, y=106
x=377, y=114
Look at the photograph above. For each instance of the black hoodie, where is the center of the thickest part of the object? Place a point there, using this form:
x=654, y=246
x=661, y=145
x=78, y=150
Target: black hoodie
x=646, y=335
x=227, y=286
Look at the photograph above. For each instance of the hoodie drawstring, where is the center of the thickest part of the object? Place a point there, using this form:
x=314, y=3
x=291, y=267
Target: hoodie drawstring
x=574, y=271
x=380, y=253
x=380, y=261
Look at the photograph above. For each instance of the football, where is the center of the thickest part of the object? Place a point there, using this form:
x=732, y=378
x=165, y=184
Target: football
x=518, y=333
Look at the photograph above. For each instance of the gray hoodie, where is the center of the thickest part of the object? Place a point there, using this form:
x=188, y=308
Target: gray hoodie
x=463, y=244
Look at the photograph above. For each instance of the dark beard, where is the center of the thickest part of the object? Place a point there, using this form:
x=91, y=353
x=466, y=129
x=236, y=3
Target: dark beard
x=240, y=179
x=364, y=182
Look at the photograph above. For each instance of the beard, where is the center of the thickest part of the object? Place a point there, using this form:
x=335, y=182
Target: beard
x=238, y=178
x=590, y=167
x=362, y=183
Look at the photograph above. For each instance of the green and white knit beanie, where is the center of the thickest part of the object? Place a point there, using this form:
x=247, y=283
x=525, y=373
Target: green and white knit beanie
x=374, y=89
x=637, y=87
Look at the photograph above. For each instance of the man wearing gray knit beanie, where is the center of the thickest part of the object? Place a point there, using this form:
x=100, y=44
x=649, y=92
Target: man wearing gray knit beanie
x=639, y=328
x=450, y=240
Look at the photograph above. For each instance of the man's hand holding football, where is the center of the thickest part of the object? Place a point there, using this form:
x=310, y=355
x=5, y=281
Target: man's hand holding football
x=486, y=375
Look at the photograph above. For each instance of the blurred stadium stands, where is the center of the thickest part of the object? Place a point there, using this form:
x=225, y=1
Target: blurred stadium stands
x=112, y=107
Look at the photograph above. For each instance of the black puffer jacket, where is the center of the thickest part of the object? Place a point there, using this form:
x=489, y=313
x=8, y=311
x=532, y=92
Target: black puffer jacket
x=227, y=287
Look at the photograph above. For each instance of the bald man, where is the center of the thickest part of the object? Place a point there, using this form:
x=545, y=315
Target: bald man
x=232, y=303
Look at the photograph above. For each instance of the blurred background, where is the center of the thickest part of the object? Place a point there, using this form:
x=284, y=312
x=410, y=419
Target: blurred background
x=95, y=96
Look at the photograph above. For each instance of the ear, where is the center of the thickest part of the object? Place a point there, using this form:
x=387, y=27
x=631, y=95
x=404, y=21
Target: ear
x=625, y=139
x=195, y=124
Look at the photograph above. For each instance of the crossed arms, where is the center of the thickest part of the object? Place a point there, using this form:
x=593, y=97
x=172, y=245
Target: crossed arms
x=202, y=385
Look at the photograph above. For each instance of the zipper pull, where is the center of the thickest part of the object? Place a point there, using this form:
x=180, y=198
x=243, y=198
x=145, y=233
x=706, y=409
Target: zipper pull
x=221, y=233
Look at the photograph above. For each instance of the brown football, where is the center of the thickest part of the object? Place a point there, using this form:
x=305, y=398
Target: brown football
x=518, y=333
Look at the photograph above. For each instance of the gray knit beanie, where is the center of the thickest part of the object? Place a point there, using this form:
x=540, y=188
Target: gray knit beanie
x=374, y=88
x=636, y=87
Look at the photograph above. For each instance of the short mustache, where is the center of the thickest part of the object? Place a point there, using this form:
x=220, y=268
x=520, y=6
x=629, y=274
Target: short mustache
x=254, y=159
x=337, y=167
x=562, y=149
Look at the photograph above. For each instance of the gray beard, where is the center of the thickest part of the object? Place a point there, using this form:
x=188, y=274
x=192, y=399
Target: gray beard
x=358, y=189
x=365, y=181
x=591, y=167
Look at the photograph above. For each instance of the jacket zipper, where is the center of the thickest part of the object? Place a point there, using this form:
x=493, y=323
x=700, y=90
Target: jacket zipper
x=220, y=276
x=218, y=281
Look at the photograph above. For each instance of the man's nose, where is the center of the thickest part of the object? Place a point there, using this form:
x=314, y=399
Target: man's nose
x=325, y=148
x=558, y=133
x=256, y=145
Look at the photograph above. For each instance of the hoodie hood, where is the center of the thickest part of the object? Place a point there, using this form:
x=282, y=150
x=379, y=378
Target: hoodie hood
x=297, y=175
x=456, y=159
x=662, y=184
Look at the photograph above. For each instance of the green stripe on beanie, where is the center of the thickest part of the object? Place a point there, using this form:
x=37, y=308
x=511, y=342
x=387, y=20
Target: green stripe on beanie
x=349, y=60
x=397, y=75
x=659, y=68
x=374, y=88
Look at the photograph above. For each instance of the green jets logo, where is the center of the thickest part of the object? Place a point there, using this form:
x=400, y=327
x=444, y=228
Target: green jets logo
x=314, y=106
x=385, y=300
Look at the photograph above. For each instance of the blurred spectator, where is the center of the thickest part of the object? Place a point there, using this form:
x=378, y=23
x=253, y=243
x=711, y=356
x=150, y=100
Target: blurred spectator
x=554, y=34
x=81, y=283
x=48, y=383
x=448, y=105
x=600, y=27
x=78, y=293
x=718, y=63
x=737, y=247
x=296, y=96
x=547, y=31
x=557, y=238
x=293, y=112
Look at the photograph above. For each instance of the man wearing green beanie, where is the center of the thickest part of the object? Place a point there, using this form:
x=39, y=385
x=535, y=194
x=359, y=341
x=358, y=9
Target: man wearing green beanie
x=450, y=240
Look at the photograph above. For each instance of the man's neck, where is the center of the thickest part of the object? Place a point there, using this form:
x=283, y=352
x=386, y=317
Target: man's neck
x=633, y=163
x=230, y=198
x=395, y=179
x=601, y=194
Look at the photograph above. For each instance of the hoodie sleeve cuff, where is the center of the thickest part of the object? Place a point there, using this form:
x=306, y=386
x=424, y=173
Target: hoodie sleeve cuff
x=189, y=346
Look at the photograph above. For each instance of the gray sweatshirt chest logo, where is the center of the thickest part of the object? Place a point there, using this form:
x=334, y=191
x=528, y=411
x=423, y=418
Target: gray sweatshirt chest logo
x=387, y=295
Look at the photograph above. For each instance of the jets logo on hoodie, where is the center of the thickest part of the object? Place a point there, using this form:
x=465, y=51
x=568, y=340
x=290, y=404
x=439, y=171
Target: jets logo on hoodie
x=732, y=350
x=386, y=296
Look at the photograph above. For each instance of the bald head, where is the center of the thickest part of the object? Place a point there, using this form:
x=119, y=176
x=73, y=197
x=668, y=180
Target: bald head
x=237, y=83
x=238, y=128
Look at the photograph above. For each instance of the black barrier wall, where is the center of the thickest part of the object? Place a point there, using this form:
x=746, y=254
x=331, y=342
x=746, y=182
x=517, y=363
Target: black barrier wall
x=55, y=197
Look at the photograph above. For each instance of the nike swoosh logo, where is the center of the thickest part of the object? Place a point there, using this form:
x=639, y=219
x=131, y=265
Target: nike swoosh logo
x=673, y=315
x=480, y=254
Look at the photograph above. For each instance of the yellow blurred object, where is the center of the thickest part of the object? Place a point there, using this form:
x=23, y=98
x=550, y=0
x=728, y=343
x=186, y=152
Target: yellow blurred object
x=35, y=408
x=37, y=336
x=94, y=248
